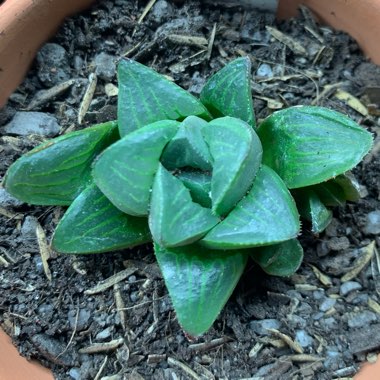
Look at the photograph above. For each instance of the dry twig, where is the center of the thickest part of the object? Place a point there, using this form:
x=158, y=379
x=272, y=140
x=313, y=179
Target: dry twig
x=176, y=363
x=44, y=250
x=87, y=98
x=97, y=348
x=110, y=281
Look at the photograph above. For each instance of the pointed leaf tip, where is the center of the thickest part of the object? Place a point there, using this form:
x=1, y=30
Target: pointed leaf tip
x=266, y=215
x=93, y=224
x=146, y=97
x=199, y=281
x=236, y=152
x=228, y=91
x=307, y=145
x=57, y=171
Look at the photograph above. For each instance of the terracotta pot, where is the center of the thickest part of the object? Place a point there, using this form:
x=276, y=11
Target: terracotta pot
x=359, y=18
x=24, y=26
x=14, y=367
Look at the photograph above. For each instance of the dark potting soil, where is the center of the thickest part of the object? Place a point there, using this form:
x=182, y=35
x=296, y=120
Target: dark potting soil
x=335, y=325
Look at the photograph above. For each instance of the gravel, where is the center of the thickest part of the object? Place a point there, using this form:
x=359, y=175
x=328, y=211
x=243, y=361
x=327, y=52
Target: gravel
x=53, y=64
x=304, y=339
x=104, y=334
x=82, y=321
x=361, y=319
x=7, y=200
x=338, y=243
x=261, y=327
x=348, y=287
x=264, y=71
x=28, y=228
x=372, y=226
x=161, y=11
x=105, y=66
x=327, y=304
x=38, y=123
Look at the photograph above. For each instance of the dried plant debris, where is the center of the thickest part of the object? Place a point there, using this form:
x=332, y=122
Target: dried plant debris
x=327, y=317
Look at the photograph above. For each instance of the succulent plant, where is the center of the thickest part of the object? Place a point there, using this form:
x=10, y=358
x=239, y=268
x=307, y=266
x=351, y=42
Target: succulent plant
x=199, y=179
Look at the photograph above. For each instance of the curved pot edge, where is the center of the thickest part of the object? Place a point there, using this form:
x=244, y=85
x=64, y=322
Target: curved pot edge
x=14, y=367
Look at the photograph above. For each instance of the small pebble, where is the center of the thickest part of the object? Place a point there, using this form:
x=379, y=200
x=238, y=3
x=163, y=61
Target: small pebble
x=105, y=66
x=372, y=226
x=83, y=321
x=45, y=308
x=360, y=299
x=304, y=339
x=327, y=304
x=318, y=294
x=264, y=71
x=161, y=11
x=28, y=228
x=134, y=296
x=332, y=361
x=38, y=123
x=348, y=287
x=111, y=90
x=296, y=321
x=361, y=319
x=104, y=334
x=261, y=327
x=7, y=200
x=38, y=264
x=74, y=373
x=338, y=243
x=53, y=65
x=329, y=324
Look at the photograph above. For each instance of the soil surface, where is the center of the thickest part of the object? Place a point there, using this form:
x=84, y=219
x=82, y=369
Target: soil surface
x=335, y=324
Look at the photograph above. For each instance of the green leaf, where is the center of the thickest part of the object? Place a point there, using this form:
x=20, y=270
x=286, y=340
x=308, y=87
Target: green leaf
x=308, y=145
x=125, y=171
x=267, y=215
x=146, y=97
x=312, y=209
x=57, y=171
x=349, y=185
x=282, y=259
x=174, y=219
x=199, y=184
x=93, y=224
x=228, y=92
x=236, y=151
x=200, y=282
x=188, y=148
x=330, y=193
